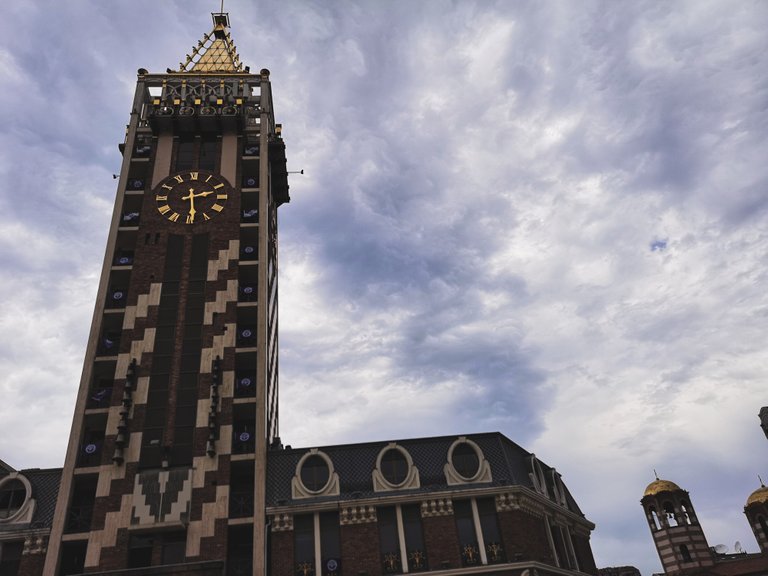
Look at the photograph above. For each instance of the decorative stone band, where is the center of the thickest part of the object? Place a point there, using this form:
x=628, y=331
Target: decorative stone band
x=357, y=515
x=437, y=507
x=281, y=522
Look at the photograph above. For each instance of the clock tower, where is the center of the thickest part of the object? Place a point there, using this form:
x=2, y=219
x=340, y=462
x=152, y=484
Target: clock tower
x=177, y=403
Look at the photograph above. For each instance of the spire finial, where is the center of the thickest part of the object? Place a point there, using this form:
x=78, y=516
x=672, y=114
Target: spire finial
x=655, y=473
x=215, y=53
x=761, y=481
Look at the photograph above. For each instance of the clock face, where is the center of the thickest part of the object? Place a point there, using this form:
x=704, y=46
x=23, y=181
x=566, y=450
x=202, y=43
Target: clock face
x=191, y=197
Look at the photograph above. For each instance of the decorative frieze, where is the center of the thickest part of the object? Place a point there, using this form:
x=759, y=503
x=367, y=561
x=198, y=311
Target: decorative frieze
x=357, y=515
x=35, y=545
x=437, y=507
x=281, y=522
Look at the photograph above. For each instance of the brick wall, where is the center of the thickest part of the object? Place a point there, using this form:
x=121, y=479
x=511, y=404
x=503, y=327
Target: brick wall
x=441, y=541
x=360, y=549
x=281, y=554
x=525, y=537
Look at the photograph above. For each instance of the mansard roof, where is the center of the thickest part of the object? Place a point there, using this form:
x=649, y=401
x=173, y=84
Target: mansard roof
x=510, y=465
x=45, y=489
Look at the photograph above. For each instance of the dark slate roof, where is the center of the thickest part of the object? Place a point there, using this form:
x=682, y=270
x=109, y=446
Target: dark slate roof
x=354, y=463
x=45, y=489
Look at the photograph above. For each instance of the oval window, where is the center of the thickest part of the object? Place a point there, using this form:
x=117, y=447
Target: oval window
x=465, y=460
x=314, y=473
x=394, y=466
x=12, y=496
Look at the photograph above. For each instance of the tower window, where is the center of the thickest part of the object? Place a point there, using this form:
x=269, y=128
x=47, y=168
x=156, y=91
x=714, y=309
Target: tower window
x=685, y=553
x=185, y=154
x=669, y=510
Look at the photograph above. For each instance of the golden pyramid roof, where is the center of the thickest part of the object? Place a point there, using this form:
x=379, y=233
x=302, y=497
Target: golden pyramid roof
x=215, y=53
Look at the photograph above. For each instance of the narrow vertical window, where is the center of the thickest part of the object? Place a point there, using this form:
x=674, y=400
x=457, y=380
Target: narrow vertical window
x=416, y=554
x=185, y=154
x=304, y=543
x=486, y=509
x=465, y=528
x=330, y=543
x=389, y=540
x=685, y=553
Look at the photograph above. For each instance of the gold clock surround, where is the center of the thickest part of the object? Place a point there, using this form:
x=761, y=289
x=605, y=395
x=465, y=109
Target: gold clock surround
x=192, y=196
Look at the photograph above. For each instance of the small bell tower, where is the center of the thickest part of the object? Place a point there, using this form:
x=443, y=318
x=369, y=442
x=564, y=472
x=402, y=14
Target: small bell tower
x=676, y=531
x=756, y=510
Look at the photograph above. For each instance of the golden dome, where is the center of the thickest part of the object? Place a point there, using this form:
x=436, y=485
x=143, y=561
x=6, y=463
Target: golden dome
x=759, y=496
x=660, y=486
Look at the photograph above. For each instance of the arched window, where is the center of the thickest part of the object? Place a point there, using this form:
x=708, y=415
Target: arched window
x=684, y=553
x=686, y=512
x=653, y=518
x=669, y=510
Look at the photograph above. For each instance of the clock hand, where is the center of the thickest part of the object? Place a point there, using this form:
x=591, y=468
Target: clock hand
x=191, y=199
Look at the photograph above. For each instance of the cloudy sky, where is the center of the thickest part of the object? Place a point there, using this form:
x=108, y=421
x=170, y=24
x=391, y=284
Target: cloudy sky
x=543, y=218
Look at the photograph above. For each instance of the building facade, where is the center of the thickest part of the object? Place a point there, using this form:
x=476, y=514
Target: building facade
x=174, y=463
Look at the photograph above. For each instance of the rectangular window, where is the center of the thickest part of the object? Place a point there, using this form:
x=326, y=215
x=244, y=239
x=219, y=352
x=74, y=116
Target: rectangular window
x=173, y=547
x=317, y=543
x=73, y=557
x=389, y=540
x=240, y=550
x=478, y=530
x=401, y=539
x=486, y=510
x=10, y=558
x=330, y=543
x=563, y=546
x=304, y=543
x=140, y=550
x=416, y=553
x=185, y=154
x=208, y=154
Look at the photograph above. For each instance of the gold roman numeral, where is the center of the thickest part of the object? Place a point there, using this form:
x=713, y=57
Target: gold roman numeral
x=178, y=179
x=193, y=175
x=221, y=196
x=173, y=217
x=206, y=216
x=167, y=187
x=190, y=219
x=217, y=207
x=218, y=186
x=164, y=209
x=161, y=198
x=209, y=177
